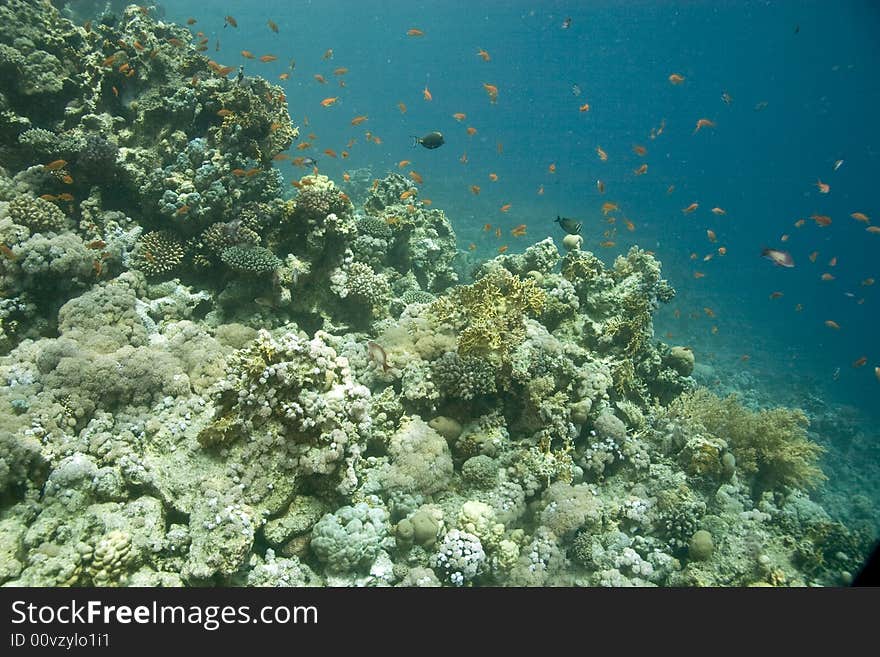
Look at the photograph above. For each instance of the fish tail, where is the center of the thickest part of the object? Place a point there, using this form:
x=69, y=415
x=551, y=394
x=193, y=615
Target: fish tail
x=415, y=140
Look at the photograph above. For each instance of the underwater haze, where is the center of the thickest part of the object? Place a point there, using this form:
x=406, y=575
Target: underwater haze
x=254, y=333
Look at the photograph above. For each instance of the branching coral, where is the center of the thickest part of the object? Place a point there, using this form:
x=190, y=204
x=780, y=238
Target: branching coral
x=771, y=446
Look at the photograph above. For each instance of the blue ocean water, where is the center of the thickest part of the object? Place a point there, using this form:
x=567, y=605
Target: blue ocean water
x=802, y=86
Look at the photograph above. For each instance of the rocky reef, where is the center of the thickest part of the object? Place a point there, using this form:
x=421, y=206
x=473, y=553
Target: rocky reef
x=209, y=378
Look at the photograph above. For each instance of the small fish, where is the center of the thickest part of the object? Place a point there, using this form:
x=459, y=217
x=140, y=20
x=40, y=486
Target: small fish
x=860, y=216
x=600, y=186
x=838, y=164
x=798, y=307
x=471, y=131
x=821, y=219
x=775, y=295
x=502, y=249
x=475, y=189
x=328, y=54
x=570, y=226
x=584, y=108
x=641, y=151
x=518, y=231
x=327, y=102
x=830, y=323
x=824, y=188
x=487, y=228
x=506, y=207
x=726, y=98
x=675, y=78
x=833, y=262
x=722, y=250
x=463, y=158
x=482, y=54
x=607, y=244
x=703, y=123
x=493, y=177
x=799, y=223
x=377, y=354
x=575, y=90
x=472, y=247
x=860, y=362
x=608, y=207
x=191, y=21
x=459, y=116
x=416, y=177
x=359, y=119
x=415, y=32
x=230, y=21
x=778, y=258
x=55, y=165
x=329, y=152
x=224, y=112
x=340, y=71
x=247, y=54
x=426, y=94
x=602, y=154
x=498, y=231
x=403, y=163
x=711, y=235
x=566, y=23
x=783, y=238
x=873, y=229
x=690, y=208
x=430, y=141
x=641, y=171
x=813, y=256
x=760, y=106
x=827, y=277
x=868, y=282
x=402, y=107
x=699, y=274
x=877, y=373
x=630, y=226
x=268, y=58
x=540, y=191
x=491, y=91
x=552, y=168
x=719, y=211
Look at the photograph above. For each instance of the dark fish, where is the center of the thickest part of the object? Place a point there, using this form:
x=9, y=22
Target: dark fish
x=576, y=90
x=310, y=162
x=566, y=23
x=570, y=226
x=430, y=140
x=778, y=258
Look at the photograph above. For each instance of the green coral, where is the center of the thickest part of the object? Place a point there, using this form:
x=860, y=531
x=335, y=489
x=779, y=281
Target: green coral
x=37, y=214
x=250, y=259
x=771, y=446
x=489, y=314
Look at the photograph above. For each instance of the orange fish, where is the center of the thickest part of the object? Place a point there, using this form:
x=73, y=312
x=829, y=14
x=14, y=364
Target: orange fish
x=182, y=210
x=584, y=108
x=329, y=152
x=709, y=312
x=799, y=223
x=239, y=172
x=506, y=207
x=459, y=116
x=284, y=76
x=873, y=229
x=472, y=247
x=518, y=231
x=272, y=25
x=859, y=362
x=609, y=207
x=482, y=54
x=675, y=78
x=247, y=54
x=402, y=107
x=600, y=186
x=64, y=196
x=690, y=208
x=860, y=216
x=711, y=235
x=493, y=177
x=499, y=147
x=775, y=295
x=813, y=256
x=502, y=249
x=867, y=282
x=718, y=211
x=833, y=262
x=475, y=190
x=821, y=219
x=415, y=32
x=824, y=188
x=345, y=176
x=471, y=131
x=464, y=158
x=630, y=226
x=783, y=238
x=552, y=168
x=745, y=358
x=607, y=244
x=642, y=170
x=602, y=154
x=827, y=277
x=487, y=228
x=403, y=163
x=340, y=71
x=693, y=256
x=405, y=195
x=492, y=92
x=358, y=120
x=67, y=180
x=641, y=151
x=55, y=165
x=426, y=201
x=703, y=123
x=427, y=94
x=416, y=177
x=191, y=21
x=722, y=250
x=830, y=323
x=327, y=102
x=320, y=78
x=699, y=274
